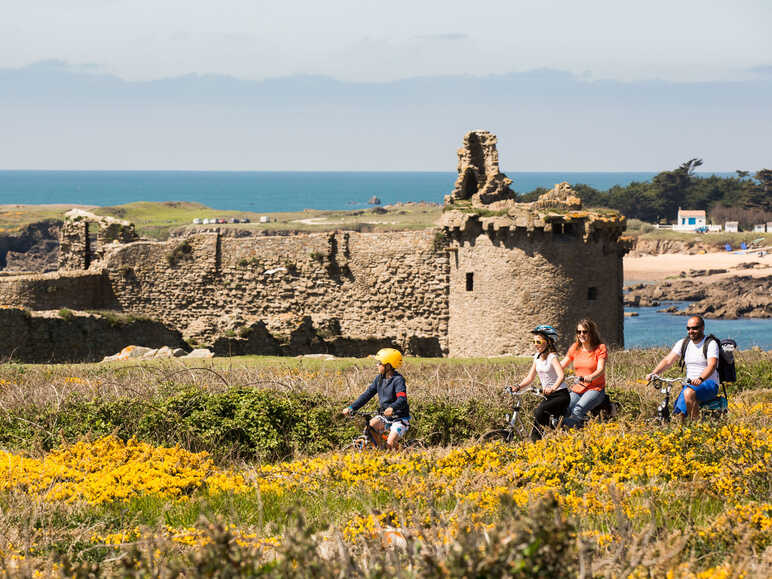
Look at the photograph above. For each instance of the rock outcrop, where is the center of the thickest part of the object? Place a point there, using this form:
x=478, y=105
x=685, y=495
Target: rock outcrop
x=34, y=248
x=726, y=298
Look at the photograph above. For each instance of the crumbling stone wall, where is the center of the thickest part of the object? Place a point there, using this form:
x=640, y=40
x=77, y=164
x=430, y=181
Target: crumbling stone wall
x=85, y=237
x=363, y=287
x=79, y=290
x=46, y=337
x=479, y=178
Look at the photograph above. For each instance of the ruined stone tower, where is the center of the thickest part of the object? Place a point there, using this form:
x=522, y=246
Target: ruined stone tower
x=479, y=179
x=514, y=265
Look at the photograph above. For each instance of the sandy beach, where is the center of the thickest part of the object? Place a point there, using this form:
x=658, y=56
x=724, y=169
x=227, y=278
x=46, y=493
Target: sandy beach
x=658, y=267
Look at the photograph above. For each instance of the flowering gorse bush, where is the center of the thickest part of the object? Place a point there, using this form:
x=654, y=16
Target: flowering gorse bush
x=109, y=469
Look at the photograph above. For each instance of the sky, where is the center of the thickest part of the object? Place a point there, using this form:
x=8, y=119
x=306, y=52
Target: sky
x=171, y=84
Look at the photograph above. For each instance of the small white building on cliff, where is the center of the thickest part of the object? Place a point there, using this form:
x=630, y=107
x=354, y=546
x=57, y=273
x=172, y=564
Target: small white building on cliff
x=689, y=220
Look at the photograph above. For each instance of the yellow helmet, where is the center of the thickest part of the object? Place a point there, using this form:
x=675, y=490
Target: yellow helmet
x=389, y=356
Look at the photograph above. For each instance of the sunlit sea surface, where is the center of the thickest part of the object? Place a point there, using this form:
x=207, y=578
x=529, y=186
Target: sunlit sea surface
x=268, y=191
x=651, y=328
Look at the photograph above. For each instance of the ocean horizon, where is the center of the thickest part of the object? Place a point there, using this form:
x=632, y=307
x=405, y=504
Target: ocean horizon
x=268, y=191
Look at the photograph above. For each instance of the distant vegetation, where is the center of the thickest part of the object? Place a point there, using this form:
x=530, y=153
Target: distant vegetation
x=744, y=198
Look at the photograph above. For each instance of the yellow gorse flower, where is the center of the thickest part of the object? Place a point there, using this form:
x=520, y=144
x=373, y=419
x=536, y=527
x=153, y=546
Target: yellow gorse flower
x=109, y=469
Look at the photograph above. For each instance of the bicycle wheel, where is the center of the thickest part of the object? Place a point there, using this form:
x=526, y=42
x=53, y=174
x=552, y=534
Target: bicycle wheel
x=359, y=444
x=499, y=434
x=414, y=444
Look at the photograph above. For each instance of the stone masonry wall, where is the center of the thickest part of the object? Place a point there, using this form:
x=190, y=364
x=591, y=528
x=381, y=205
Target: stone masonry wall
x=45, y=337
x=359, y=286
x=80, y=290
x=504, y=283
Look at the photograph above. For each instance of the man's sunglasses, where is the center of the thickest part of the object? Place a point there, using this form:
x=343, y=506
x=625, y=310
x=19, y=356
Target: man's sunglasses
x=690, y=328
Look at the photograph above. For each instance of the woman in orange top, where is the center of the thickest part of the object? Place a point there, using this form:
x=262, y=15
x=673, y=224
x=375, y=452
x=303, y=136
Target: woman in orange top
x=588, y=355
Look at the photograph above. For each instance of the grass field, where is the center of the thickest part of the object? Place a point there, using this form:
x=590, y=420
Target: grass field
x=156, y=220
x=232, y=467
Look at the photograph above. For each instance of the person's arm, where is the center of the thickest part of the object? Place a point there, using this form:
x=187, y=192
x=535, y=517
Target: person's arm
x=364, y=398
x=600, y=365
x=599, y=370
x=560, y=375
x=569, y=357
x=664, y=364
x=400, y=392
x=528, y=379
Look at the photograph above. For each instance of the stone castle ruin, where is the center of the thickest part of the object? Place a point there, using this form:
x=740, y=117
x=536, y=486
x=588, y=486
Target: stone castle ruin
x=474, y=285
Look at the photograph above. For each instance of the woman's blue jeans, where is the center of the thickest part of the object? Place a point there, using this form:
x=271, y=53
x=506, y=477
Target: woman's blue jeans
x=580, y=405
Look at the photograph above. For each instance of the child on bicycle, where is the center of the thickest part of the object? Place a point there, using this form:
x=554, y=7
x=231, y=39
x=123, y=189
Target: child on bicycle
x=392, y=397
x=547, y=366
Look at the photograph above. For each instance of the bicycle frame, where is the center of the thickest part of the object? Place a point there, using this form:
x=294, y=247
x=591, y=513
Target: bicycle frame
x=513, y=418
x=370, y=436
x=665, y=385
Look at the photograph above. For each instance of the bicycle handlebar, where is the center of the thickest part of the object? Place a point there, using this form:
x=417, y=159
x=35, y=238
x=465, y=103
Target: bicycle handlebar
x=658, y=378
x=369, y=415
x=513, y=392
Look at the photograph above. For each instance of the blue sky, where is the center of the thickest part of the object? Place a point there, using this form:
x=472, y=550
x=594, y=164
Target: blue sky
x=366, y=85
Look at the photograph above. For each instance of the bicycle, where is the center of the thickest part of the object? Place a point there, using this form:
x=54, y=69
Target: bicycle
x=715, y=407
x=374, y=440
x=515, y=427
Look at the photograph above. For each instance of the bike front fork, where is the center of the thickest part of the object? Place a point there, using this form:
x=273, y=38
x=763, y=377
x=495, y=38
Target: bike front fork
x=663, y=410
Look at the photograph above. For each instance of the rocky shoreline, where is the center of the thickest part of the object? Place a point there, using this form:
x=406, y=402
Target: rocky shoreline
x=732, y=297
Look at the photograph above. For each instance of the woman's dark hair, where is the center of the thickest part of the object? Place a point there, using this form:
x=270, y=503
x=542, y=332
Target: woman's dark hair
x=551, y=347
x=593, y=335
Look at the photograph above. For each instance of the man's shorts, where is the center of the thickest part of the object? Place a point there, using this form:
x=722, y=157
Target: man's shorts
x=708, y=390
x=400, y=426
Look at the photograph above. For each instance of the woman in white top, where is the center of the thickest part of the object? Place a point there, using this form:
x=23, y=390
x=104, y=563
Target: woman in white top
x=547, y=365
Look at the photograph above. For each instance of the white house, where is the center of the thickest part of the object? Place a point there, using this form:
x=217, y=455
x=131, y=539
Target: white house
x=759, y=228
x=689, y=220
x=732, y=226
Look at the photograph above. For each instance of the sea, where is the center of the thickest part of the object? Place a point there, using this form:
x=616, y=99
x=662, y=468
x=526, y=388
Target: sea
x=264, y=191
x=658, y=329
x=280, y=191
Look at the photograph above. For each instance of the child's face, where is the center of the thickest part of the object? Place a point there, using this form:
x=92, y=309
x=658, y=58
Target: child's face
x=539, y=343
x=381, y=368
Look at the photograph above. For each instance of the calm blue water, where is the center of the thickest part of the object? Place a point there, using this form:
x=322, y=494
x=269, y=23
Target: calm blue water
x=652, y=328
x=261, y=191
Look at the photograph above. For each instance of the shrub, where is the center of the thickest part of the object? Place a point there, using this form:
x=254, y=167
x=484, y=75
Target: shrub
x=183, y=252
x=440, y=241
x=66, y=314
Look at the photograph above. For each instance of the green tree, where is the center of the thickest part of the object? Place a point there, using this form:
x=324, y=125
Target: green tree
x=765, y=178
